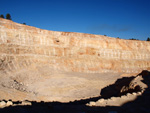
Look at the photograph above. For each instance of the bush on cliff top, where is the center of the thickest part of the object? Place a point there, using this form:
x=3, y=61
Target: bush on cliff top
x=8, y=16
x=2, y=16
x=148, y=39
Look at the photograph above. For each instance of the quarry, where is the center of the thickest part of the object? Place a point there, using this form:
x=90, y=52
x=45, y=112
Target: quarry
x=39, y=66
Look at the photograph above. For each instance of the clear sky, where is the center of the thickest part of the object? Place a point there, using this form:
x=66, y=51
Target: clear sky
x=115, y=18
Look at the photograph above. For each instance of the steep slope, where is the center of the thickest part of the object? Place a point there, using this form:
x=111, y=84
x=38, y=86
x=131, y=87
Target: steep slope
x=23, y=45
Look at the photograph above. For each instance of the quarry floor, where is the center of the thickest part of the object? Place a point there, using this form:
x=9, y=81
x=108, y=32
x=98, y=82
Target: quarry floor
x=62, y=87
x=66, y=93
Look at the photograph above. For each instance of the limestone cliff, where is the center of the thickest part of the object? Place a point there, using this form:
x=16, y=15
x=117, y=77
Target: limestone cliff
x=23, y=46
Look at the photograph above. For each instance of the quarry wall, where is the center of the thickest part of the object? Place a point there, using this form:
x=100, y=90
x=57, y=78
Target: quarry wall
x=23, y=46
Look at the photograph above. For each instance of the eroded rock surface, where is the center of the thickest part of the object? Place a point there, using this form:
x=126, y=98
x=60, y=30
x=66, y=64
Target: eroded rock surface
x=25, y=46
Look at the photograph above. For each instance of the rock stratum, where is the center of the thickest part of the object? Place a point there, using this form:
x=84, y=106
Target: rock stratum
x=37, y=64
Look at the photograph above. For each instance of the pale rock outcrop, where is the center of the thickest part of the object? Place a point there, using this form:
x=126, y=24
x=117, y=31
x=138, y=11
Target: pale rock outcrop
x=26, y=103
x=9, y=103
x=2, y=104
x=24, y=46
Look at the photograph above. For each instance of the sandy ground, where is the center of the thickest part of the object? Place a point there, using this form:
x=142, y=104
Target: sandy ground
x=135, y=102
x=44, y=84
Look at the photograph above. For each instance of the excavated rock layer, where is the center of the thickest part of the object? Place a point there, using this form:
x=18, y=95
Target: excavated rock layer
x=24, y=46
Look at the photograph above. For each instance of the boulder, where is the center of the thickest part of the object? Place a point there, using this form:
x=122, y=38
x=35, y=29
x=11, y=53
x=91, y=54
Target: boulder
x=101, y=100
x=2, y=103
x=9, y=103
x=92, y=103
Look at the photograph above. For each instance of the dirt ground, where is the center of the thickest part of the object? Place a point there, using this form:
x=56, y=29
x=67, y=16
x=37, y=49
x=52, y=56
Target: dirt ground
x=86, y=101
x=44, y=84
x=46, y=90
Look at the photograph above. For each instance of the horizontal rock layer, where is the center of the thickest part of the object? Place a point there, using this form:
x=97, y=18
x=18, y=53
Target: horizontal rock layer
x=23, y=46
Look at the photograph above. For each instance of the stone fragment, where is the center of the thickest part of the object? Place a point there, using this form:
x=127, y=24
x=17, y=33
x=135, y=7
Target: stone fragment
x=92, y=103
x=26, y=103
x=100, y=100
x=2, y=103
x=9, y=103
x=142, y=91
x=113, y=98
x=134, y=94
x=139, y=93
x=129, y=94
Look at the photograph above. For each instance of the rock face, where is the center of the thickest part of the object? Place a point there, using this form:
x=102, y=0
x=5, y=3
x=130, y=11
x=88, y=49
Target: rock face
x=24, y=46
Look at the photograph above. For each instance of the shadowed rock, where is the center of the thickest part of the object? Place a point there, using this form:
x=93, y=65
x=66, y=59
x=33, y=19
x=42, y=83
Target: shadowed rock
x=122, y=86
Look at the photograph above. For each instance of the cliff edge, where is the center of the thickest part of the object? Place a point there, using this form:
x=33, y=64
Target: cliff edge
x=22, y=46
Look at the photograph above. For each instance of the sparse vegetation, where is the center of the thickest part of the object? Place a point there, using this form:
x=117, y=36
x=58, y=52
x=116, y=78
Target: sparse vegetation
x=133, y=39
x=8, y=16
x=148, y=39
x=2, y=16
x=24, y=23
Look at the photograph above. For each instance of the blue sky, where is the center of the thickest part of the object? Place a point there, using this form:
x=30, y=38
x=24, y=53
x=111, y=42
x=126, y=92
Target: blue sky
x=115, y=18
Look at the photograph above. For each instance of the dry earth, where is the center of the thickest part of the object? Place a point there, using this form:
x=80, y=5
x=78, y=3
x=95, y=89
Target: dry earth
x=128, y=103
x=44, y=85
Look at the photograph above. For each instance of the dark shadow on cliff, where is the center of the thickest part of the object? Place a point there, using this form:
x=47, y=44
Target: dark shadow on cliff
x=120, y=87
x=140, y=105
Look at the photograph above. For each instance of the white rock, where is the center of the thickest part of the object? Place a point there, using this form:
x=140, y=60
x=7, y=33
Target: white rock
x=101, y=100
x=142, y=91
x=9, y=103
x=139, y=93
x=113, y=98
x=87, y=104
x=129, y=94
x=2, y=103
x=92, y=103
x=109, y=101
x=134, y=94
x=26, y=103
